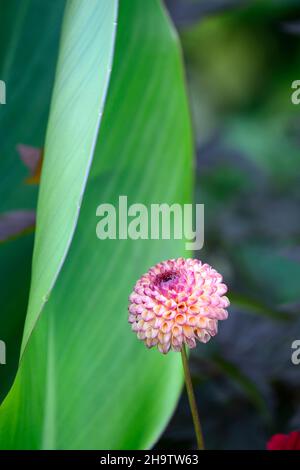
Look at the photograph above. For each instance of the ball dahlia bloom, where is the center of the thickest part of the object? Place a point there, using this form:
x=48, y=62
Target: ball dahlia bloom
x=285, y=441
x=177, y=302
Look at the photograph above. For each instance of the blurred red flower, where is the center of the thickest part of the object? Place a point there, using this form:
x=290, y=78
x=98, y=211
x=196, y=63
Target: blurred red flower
x=285, y=441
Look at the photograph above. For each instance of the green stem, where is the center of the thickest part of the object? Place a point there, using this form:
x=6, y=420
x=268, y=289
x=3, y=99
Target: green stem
x=192, y=400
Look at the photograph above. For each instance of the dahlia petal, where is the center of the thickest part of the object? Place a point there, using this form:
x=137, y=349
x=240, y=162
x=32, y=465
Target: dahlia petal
x=147, y=315
x=158, y=310
x=149, y=333
x=180, y=319
x=166, y=338
x=148, y=343
x=188, y=331
x=191, y=320
x=154, y=333
x=164, y=348
x=166, y=327
x=190, y=342
x=176, y=330
x=222, y=289
x=224, y=302
x=141, y=335
x=169, y=314
x=205, y=337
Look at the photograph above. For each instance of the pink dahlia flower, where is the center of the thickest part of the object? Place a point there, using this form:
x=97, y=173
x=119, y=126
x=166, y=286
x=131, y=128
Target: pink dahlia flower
x=177, y=302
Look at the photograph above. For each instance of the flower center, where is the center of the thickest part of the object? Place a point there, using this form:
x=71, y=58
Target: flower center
x=168, y=279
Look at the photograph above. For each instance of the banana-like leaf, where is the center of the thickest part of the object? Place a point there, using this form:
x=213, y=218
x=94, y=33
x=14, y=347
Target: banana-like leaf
x=27, y=62
x=83, y=72
x=84, y=379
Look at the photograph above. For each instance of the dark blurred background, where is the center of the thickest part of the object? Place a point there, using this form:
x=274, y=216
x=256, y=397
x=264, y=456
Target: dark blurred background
x=241, y=59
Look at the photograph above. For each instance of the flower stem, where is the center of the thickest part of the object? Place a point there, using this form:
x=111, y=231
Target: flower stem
x=192, y=400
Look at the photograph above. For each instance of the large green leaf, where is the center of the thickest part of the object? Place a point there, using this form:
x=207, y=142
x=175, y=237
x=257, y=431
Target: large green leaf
x=27, y=61
x=83, y=71
x=84, y=380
